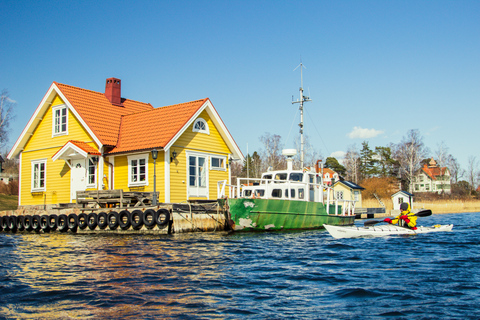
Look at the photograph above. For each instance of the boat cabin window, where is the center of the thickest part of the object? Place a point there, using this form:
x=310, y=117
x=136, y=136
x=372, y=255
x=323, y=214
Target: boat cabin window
x=259, y=193
x=276, y=193
x=319, y=179
x=281, y=176
x=301, y=193
x=311, y=178
x=247, y=193
x=267, y=176
x=292, y=193
x=296, y=176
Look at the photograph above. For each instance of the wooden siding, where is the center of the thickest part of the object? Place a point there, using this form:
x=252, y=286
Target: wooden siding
x=42, y=145
x=209, y=144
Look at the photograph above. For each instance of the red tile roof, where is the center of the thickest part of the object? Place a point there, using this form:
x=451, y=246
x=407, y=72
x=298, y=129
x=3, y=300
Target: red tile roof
x=85, y=147
x=102, y=117
x=154, y=129
x=434, y=172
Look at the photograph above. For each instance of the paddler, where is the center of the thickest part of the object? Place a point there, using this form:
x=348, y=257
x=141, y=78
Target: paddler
x=406, y=218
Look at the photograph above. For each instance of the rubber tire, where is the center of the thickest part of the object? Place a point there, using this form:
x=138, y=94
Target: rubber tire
x=44, y=225
x=36, y=223
x=62, y=223
x=4, y=222
x=27, y=222
x=162, y=218
x=20, y=223
x=82, y=221
x=112, y=220
x=72, y=222
x=102, y=220
x=53, y=222
x=137, y=219
x=12, y=223
x=149, y=218
x=92, y=221
x=124, y=220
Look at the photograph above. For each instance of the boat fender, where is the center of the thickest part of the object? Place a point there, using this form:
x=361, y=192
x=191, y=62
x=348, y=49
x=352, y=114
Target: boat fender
x=20, y=223
x=4, y=222
x=62, y=223
x=92, y=220
x=44, y=223
x=162, y=218
x=27, y=221
x=82, y=221
x=149, y=218
x=102, y=220
x=137, y=219
x=112, y=218
x=124, y=220
x=36, y=223
x=12, y=223
x=73, y=222
x=53, y=222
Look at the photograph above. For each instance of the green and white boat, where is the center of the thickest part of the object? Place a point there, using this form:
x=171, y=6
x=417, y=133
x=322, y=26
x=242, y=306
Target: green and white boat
x=285, y=199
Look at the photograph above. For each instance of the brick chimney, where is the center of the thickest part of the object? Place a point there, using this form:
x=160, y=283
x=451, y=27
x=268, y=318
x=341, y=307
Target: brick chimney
x=113, y=91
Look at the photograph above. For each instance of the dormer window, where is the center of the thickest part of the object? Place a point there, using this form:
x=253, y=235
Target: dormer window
x=201, y=126
x=60, y=120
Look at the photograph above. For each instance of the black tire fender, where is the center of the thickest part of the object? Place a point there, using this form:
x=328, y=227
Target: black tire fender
x=27, y=222
x=12, y=223
x=162, y=218
x=20, y=223
x=36, y=223
x=44, y=225
x=92, y=220
x=124, y=220
x=82, y=221
x=112, y=220
x=149, y=218
x=102, y=220
x=62, y=223
x=137, y=219
x=4, y=222
x=73, y=222
x=53, y=222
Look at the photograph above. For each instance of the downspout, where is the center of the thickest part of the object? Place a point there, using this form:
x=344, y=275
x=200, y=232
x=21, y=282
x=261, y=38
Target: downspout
x=110, y=173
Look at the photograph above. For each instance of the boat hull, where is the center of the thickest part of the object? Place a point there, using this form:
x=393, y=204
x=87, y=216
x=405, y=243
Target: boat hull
x=381, y=231
x=272, y=214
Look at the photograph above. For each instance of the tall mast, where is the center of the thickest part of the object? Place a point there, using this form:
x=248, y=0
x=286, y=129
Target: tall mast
x=301, y=101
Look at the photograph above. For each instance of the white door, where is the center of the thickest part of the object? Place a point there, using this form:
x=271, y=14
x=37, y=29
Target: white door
x=78, y=177
x=197, y=176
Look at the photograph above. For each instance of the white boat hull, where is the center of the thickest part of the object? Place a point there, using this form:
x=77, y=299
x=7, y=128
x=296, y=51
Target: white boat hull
x=339, y=232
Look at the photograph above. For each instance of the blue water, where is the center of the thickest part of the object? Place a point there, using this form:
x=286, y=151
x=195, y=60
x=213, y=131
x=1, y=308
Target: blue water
x=284, y=275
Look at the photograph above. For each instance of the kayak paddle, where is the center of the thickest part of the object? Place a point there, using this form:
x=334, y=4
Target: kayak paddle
x=423, y=213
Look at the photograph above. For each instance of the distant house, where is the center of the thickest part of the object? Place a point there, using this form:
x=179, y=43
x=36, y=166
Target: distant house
x=347, y=190
x=432, y=178
x=400, y=197
x=329, y=175
x=81, y=140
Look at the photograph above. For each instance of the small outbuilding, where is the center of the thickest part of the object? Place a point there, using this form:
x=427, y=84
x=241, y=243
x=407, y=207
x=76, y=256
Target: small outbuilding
x=348, y=190
x=400, y=197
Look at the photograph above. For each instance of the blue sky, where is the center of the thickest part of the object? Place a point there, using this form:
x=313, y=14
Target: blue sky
x=374, y=69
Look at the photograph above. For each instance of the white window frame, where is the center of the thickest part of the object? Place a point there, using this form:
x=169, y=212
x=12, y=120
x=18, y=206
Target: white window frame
x=222, y=167
x=205, y=130
x=90, y=163
x=54, y=122
x=339, y=195
x=193, y=191
x=138, y=157
x=33, y=178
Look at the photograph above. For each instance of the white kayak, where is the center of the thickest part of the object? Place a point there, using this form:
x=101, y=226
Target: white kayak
x=339, y=232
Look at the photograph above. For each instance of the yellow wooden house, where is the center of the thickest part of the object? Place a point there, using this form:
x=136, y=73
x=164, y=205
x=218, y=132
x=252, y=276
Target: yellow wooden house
x=79, y=139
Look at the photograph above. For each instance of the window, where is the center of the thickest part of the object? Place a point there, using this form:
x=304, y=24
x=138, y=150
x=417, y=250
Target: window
x=339, y=195
x=280, y=176
x=356, y=195
x=201, y=126
x=295, y=176
x=138, y=170
x=60, y=120
x=292, y=193
x=38, y=175
x=301, y=193
x=218, y=163
x=276, y=193
x=91, y=173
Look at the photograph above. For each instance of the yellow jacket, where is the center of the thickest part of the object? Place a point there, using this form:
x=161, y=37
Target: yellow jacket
x=411, y=220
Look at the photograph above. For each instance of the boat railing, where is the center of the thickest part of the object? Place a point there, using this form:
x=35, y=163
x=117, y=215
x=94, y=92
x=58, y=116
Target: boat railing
x=222, y=187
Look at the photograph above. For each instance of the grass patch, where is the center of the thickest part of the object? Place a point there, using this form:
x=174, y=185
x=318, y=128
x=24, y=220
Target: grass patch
x=8, y=202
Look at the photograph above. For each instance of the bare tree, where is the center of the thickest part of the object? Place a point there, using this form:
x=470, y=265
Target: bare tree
x=352, y=164
x=7, y=107
x=311, y=155
x=272, y=153
x=409, y=153
x=456, y=173
x=472, y=172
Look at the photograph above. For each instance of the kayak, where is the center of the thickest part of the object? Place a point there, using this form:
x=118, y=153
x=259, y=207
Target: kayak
x=339, y=232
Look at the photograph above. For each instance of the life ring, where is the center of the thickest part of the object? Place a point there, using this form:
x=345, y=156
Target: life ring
x=149, y=218
x=12, y=223
x=44, y=223
x=27, y=222
x=36, y=223
x=124, y=220
x=73, y=222
x=92, y=220
x=82, y=221
x=162, y=218
x=20, y=223
x=102, y=220
x=53, y=222
x=62, y=223
x=137, y=219
x=112, y=220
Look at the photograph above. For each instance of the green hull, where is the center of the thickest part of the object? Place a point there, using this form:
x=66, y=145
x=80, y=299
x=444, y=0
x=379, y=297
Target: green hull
x=271, y=214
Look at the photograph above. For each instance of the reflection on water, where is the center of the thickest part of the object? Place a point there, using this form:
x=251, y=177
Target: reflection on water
x=247, y=275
